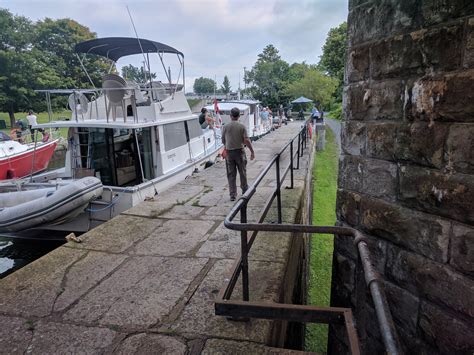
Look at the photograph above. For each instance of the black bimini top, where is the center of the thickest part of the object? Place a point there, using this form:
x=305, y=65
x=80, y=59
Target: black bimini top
x=117, y=47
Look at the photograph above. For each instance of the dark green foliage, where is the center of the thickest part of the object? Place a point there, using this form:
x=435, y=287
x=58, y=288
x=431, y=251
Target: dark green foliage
x=268, y=77
x=138, y=75
x=41, y=55
x=225, y=88
x=204, y=86
x=334, y=55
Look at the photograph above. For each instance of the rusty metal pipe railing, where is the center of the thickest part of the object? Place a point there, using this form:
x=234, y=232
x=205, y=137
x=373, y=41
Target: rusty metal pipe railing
x=243, y=309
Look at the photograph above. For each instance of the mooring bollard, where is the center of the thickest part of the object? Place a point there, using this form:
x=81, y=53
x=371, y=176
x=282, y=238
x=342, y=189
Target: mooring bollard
x=320, y=132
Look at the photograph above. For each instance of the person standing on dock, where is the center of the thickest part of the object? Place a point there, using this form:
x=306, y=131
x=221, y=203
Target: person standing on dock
x=235, y=138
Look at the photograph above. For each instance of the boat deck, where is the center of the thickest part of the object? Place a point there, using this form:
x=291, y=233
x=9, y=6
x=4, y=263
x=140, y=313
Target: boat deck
x=145, y=282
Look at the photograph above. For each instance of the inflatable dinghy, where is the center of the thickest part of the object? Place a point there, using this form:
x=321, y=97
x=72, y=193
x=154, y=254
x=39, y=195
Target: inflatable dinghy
x=27, y=209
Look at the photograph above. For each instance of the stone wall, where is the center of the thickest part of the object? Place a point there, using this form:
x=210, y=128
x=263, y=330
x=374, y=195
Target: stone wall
x=406, y=173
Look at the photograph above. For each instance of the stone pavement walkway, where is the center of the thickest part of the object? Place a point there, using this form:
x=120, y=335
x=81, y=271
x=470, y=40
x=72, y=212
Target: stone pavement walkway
x=145, y=282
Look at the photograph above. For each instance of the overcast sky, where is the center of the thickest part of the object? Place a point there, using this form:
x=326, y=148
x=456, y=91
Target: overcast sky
x=217, y=37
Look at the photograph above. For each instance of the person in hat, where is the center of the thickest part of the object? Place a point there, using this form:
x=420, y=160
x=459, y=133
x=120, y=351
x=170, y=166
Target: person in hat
x=235, y=138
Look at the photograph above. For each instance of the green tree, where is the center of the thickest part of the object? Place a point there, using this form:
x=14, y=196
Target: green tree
x=21, y=67
x=334, y=55
x=139, y=75
x=268, y=77
x=314, y=85
x=56, y=40
x=204, y=86
x=225, y=88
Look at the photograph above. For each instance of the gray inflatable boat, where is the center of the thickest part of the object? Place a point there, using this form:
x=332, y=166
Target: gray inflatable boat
x=27, y=209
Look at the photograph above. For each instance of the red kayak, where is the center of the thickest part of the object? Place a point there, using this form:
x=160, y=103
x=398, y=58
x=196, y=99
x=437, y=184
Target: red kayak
x=19, y=160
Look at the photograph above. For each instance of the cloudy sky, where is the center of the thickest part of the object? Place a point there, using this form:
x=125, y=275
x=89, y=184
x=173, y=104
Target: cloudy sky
x=217, y=37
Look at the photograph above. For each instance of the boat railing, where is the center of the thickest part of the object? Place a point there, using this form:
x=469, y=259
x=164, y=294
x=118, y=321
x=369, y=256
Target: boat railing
x=227, y=303
x=102, y=103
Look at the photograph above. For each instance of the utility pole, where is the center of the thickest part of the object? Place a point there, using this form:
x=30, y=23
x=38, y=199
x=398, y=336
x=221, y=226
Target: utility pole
x=245, y=83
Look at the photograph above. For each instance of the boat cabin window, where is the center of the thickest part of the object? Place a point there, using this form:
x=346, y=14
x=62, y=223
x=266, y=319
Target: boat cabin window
x=194, y=128
x=112, y=154
x=174, y=134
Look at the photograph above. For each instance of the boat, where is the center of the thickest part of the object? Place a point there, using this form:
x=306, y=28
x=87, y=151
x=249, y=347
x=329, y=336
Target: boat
x=138, y=139
x=44, y=204
x=249, y=116
x=19, y=160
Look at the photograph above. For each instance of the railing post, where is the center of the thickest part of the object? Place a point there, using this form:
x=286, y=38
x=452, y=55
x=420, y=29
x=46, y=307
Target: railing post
x=298, y=155
x=244, y=252
x=277, y=164
x=291, y=164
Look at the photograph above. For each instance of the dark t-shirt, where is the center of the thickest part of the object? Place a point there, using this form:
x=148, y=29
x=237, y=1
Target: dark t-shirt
x=202, y=118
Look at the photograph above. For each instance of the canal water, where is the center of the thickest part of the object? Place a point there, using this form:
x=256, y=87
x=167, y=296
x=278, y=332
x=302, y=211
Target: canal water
x=16, y=253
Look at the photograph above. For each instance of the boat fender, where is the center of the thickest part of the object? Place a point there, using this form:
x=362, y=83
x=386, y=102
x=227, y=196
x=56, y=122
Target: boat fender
x=10, y=174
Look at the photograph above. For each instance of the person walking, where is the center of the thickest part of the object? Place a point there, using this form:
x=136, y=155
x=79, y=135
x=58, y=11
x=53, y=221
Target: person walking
x=235, y=138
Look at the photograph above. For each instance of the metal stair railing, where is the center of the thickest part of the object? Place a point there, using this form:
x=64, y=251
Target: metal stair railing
x=242, y=309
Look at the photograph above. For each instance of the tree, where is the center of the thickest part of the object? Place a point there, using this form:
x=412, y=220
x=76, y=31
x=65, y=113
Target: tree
x=204, y=86
x=225, y=85
x=334, y=55
x=314, y=85
x=19, y=68
x=268, y=77
x=56, y=40
x=139, y=75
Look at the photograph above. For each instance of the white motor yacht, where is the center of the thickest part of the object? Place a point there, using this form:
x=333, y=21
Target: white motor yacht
x=138, y=139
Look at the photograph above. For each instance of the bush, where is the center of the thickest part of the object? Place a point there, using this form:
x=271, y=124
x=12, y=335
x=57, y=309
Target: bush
x=336, y=111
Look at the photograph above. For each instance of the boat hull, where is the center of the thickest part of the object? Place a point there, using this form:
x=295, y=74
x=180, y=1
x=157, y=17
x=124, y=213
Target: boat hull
x=27, y=162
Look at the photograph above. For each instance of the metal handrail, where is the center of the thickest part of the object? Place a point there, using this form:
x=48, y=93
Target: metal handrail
x=225, y=306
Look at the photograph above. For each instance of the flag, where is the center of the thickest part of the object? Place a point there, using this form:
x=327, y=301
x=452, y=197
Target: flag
x=218, y=115
x=216, y=108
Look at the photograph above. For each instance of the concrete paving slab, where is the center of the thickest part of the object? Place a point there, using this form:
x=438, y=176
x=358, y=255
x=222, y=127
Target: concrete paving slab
x=118, y=234
x=139, y=294
x=175, y=238
x=15, y=335
x=149, y=343
x=60, y=338
x=226, y=347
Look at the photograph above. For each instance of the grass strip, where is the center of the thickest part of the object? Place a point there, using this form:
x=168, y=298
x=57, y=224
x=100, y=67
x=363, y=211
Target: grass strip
x=324, y=214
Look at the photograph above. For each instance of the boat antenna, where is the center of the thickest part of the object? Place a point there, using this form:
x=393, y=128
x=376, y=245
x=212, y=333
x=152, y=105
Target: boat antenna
x=139, y=42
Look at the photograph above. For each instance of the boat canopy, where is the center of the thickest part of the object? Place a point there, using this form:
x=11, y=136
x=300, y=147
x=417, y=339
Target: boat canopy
x=115, y=48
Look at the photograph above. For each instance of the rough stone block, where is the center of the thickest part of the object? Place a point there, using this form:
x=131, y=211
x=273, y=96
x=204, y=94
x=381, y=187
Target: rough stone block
x=450, y=335
x=423, y=233
x=381, y=140
x=347, y=207
x=431, y=280
x=443, y=97
x=462, y=248
x=460, y=148
x=379, y=100
x=396, y=56
x=358, y=64
x=449, y=195
x=343, y=281
x=353, y=137
x=224, y=347
x=369, y=21
x=422, y=143
x=468, y=61
x=379, y=179
x=403, y=306
x=350, y=173
x=438, y=11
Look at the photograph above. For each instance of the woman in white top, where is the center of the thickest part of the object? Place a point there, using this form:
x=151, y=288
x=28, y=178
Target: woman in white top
x=31, y=122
